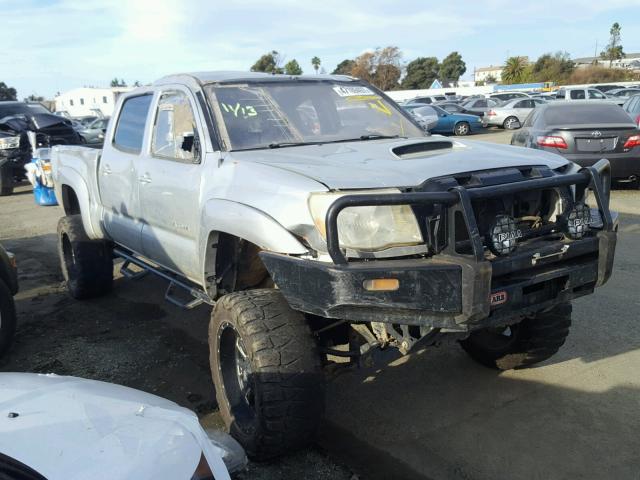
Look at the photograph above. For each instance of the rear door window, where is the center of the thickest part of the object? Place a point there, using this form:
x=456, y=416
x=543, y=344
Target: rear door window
x=131, y=123
x=577, y=94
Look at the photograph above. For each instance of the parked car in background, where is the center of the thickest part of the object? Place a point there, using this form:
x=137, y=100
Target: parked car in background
x=86, y=120
x=453, y=107
x=480, y=106
x=632, y=107
x=8, y=288
x=58, y=427
x=606, y=88
x=93, y=134
x=580, y=93
x=512, y=113
x=585, y=132
x=504, y=96
x=620, y=95
x=456, y=123
x=18, y=118
x=426, y=118
x=427, y=100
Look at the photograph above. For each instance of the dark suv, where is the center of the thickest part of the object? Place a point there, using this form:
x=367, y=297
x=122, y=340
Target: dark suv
x=8, y=288
x=18, y=118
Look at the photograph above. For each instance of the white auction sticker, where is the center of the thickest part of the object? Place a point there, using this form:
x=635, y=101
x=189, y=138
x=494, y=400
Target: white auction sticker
x=355, y=91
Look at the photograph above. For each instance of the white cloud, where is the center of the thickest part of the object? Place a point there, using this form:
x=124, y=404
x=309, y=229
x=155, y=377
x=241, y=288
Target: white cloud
x=61, y=44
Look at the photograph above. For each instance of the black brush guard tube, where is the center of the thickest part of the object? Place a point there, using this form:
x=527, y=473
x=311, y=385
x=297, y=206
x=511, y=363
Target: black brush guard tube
x=596, y=177
x=451, y=290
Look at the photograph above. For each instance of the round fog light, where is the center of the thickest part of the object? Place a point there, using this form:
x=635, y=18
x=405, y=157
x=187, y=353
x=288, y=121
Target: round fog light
x=578, y=221
x=503, y=235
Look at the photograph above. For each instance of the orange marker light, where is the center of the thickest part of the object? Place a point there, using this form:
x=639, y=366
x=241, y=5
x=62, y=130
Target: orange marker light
x=381, y=284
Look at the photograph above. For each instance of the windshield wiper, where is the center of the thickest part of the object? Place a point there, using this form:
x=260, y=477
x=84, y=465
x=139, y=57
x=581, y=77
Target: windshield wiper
x=375, y=136
x=289, y=144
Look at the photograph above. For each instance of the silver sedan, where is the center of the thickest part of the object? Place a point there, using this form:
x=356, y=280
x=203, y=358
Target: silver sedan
x=512, y=113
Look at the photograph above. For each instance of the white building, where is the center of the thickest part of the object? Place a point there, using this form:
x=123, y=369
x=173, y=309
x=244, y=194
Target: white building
x=89, y=101
x=481, y=74
x=631, y=61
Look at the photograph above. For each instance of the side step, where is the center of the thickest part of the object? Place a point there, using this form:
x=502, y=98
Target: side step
x=198, y=295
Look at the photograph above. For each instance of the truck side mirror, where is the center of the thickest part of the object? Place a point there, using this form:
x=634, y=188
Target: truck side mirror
x=191, y=144
x=187, y=142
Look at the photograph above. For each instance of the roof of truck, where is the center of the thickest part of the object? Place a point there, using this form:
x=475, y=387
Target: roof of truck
x=239, y=76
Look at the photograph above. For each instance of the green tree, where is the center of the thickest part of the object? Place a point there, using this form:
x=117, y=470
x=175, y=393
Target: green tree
x=34, y=98
x=514, y=70
x=614, y=48
x=344, y=67
x=7, y=93
x=292, y=68
x=452, y=68
x=315, y=61
x=269, y=63
x=549, y=67
x=136, y=83
x=490, y=79
x=421, y=73
x=118, y=83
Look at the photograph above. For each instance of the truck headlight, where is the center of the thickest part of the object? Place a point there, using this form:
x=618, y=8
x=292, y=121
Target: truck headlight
x=368, y=228
x=9, y=142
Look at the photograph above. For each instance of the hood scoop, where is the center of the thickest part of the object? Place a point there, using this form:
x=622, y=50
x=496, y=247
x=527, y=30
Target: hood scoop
x=415, y=150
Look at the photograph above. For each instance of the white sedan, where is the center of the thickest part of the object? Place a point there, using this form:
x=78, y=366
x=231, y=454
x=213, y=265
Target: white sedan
x=512, y=113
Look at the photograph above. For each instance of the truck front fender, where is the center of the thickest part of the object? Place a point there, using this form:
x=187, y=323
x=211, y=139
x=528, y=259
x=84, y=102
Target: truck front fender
x=248, y=223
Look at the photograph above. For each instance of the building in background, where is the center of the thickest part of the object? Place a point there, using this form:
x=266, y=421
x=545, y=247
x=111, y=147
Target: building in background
x=81, y=102
x=481, y=74
x=631, y=61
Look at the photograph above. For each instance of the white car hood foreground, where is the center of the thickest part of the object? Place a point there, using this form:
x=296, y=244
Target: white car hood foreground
x=70, y=428
x=372, y=164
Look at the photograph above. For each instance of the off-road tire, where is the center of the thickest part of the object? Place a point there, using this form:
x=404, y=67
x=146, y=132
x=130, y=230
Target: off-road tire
x=286, y=379
x=508, y=123
x=87, y=265
x=6, y=180
x=7, y=318
x=534, y=339
x=462, y=129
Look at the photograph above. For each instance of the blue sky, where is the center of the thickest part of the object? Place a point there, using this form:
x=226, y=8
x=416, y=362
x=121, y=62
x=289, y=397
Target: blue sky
x=56, y=45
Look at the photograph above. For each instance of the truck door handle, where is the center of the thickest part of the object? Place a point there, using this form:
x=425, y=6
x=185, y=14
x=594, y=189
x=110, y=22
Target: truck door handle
x=106, y=170
x=145, y=178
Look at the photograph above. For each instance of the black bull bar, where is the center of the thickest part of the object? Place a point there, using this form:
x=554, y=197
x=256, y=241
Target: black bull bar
x=597, y=178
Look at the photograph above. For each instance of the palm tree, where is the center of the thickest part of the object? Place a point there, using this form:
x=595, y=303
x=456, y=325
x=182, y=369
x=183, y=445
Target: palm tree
x=514, y=69
x=315, y=61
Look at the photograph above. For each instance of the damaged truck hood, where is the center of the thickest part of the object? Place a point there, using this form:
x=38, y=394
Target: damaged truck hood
x=384, y=163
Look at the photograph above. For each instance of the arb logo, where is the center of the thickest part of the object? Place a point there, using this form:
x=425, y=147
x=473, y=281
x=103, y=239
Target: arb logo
x=498, y=298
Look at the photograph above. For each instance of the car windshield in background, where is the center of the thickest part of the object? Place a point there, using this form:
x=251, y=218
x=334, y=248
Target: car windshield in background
x=272, y=114
x=21, y=109
x=585, y=114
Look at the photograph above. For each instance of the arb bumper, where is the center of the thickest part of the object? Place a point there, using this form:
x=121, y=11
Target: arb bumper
x=459, y=292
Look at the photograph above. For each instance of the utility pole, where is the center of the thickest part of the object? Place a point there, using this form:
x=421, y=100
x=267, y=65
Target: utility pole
x=595, y=53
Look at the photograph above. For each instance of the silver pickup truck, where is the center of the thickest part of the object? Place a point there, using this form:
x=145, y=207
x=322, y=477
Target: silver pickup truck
x=321, y=223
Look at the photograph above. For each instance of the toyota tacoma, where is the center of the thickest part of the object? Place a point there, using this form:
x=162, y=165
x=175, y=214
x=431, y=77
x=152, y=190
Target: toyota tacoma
x=320, y=223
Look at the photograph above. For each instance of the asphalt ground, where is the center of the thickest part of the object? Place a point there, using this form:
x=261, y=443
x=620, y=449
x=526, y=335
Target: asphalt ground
x=432, y=414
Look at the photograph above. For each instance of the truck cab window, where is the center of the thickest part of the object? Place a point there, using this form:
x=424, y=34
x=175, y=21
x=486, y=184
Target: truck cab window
x=130, y=129
x=174, y=129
